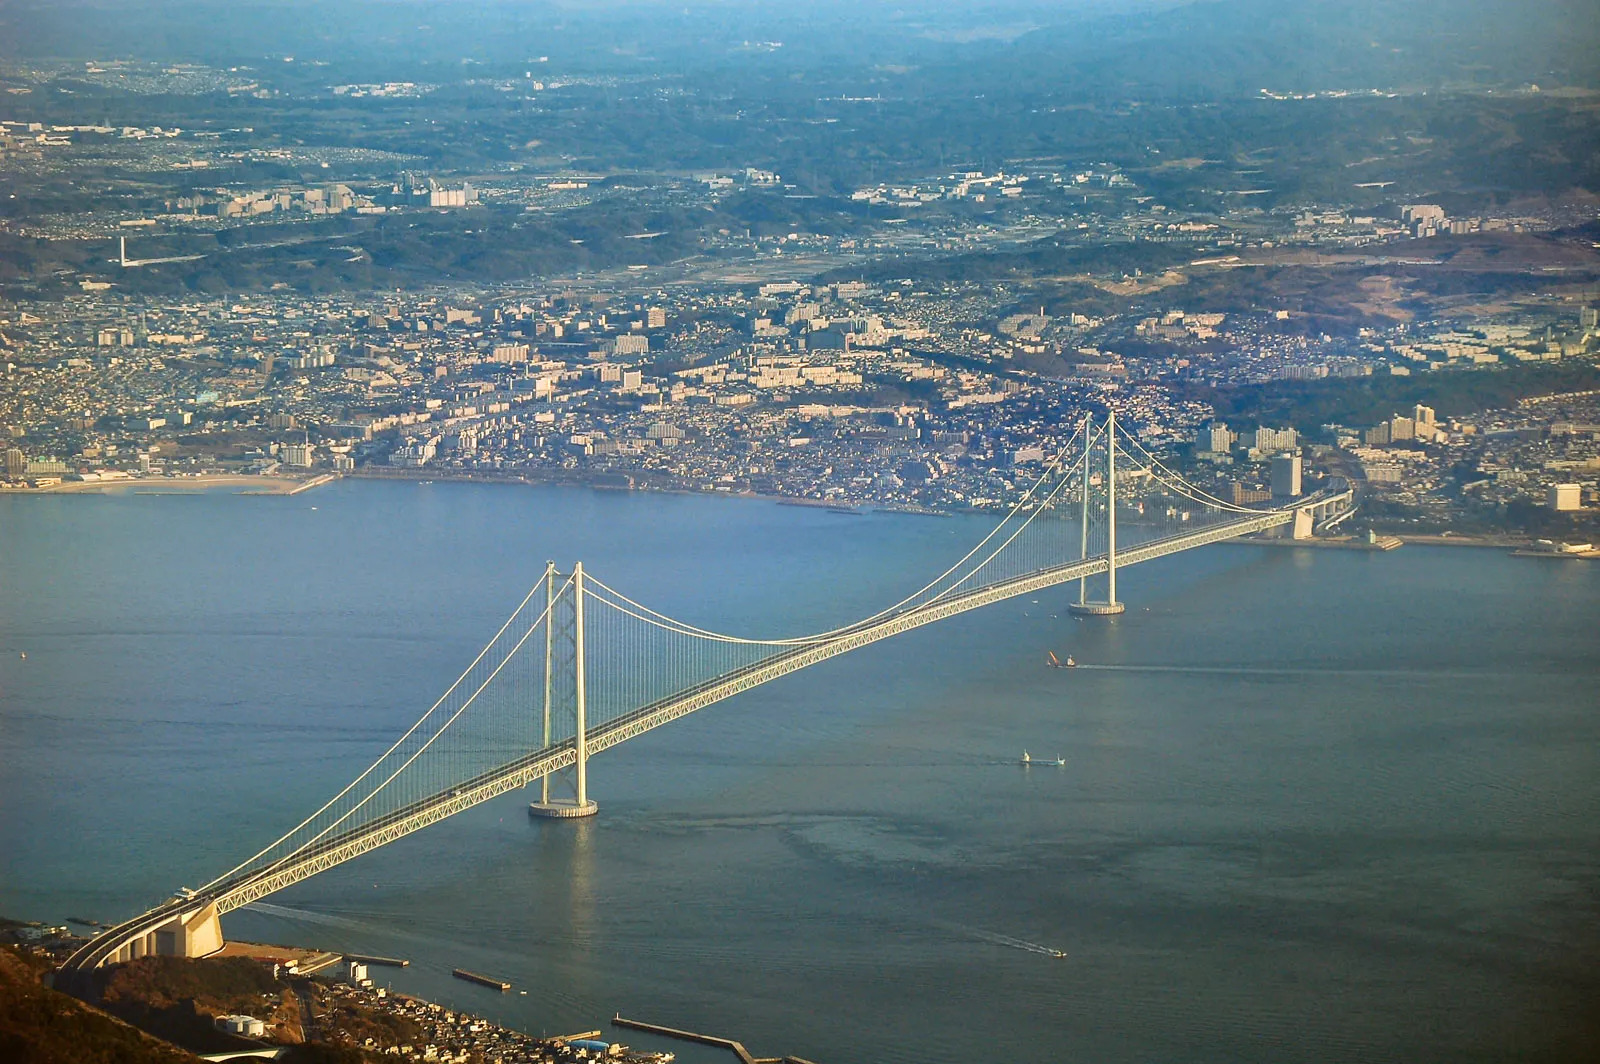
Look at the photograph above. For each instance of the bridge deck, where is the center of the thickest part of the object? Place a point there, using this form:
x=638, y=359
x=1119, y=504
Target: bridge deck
x=258, y=883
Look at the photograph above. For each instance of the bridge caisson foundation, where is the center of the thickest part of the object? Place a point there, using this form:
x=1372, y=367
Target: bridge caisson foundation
x=562, y=810
x=1096, y=609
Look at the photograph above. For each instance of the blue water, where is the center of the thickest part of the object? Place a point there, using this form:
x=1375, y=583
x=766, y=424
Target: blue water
x=1317, y=806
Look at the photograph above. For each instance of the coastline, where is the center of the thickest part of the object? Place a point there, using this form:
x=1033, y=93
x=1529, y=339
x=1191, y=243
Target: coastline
x=628, y=482
x=263, y=485
x=327, y=997
x=278, y=484
x=1386, y=543
x=1454, y=540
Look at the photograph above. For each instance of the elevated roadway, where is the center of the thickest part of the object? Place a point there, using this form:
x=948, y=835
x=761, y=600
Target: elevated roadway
x=187, y=919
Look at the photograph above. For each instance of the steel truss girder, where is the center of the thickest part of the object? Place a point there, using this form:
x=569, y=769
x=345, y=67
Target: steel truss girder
x=670, y=709
x=253, y=886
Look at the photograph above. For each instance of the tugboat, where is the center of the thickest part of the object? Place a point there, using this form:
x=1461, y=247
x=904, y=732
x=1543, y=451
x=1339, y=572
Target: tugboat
x=1057, y=663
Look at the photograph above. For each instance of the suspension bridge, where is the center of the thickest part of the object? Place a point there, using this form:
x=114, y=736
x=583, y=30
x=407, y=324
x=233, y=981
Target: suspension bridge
x=579, y=667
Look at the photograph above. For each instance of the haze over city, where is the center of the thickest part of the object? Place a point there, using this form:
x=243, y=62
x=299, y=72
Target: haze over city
x=638, y=531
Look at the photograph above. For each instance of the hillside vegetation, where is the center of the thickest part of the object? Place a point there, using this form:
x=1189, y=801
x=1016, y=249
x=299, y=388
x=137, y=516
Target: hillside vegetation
x=43, y=1026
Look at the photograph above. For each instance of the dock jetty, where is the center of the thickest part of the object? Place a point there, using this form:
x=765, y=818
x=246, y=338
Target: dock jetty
x=736, y=1047
x=317, y=963
x=387, y=962
x=481, y=980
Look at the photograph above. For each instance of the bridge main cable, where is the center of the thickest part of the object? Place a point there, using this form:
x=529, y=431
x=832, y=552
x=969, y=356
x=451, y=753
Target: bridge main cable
x=533, y=766
x=988, y=572
x=398, y=743
x=650, y=616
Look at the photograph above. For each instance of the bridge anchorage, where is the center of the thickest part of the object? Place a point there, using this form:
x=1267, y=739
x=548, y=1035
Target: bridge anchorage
x=579, y=667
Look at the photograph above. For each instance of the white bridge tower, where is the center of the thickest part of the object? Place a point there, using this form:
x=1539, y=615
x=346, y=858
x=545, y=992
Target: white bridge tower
x=568, y=602
x=1086, y=607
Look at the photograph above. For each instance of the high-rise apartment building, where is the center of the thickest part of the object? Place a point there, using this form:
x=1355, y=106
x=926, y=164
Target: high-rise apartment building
x=509, y=353
x=1565, y=498
x=1269, y=440
x=1214, y=438
x=1286, y=470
